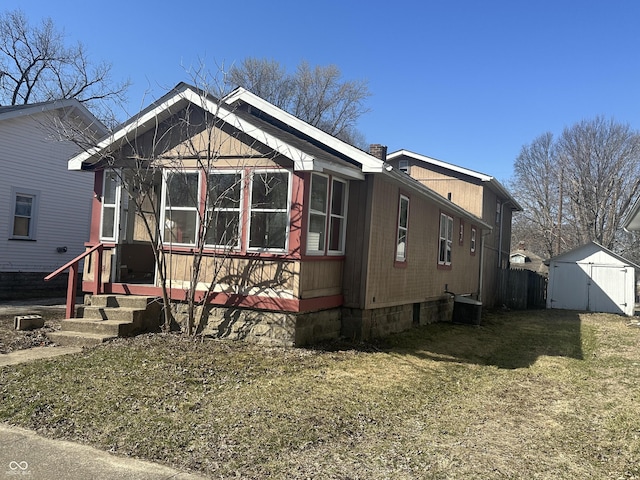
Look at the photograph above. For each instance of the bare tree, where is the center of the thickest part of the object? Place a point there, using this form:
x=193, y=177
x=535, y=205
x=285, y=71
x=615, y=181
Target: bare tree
x=36, y=64
x=317, y=95
x=536, y=185
x=577, y=188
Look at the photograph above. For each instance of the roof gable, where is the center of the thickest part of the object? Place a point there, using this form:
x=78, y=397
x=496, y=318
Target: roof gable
x=456, y=170
x=592, y=252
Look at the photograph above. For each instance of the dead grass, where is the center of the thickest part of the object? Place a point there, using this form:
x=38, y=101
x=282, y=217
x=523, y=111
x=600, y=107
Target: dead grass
x=542, y=395
x=12, y=339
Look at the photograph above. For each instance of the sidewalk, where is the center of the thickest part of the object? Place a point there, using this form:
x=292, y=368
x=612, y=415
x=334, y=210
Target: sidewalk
x=24, y=454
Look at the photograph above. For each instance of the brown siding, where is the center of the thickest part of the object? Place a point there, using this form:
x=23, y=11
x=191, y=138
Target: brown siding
x=320, y=278
x=420, y=279
x=463, y=193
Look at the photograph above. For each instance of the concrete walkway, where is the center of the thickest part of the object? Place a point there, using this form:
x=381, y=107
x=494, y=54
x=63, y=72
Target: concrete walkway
x=24, y=454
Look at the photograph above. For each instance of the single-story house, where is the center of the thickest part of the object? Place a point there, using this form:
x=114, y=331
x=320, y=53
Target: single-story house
x=318, y=237
x=44, y=208
x=592, y=278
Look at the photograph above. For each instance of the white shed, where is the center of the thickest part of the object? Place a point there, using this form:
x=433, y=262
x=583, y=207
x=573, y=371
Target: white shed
x=592, y=278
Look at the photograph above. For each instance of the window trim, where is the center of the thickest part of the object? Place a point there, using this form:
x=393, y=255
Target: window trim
x=239, y=209
x=325, y=214
x=250, y=211
x=196, y=209
x=343, y=216
x=35, y=207
x=448, y=238
x=402, y=257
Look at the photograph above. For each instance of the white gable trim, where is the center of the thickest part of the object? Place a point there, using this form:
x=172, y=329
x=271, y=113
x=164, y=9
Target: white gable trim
x=370, y=164
x=301, y=160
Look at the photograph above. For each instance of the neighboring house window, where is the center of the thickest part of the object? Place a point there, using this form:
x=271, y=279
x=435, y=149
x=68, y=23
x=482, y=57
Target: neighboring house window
x=25, y=210
x=224, y=209
x=403, y=166
x=269, y=210
x=327, y=212
x=473, y=240
x=498, y=211
x=446, y=239
x=180, y=204
x=403, y=228
x=461, y=234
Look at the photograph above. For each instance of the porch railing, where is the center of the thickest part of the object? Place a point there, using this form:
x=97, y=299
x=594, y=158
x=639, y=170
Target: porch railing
x=72, y=285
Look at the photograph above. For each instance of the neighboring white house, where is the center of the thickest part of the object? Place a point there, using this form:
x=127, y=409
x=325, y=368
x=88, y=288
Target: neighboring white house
x=44, y=208
x=592, y=278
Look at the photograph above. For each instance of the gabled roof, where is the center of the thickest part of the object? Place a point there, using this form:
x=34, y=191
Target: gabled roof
x=494, y=184
x=592, y=246
x=9, y=112
x=305, y=155
x=308, y=147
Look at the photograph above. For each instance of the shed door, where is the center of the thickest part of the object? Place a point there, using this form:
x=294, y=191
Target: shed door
x=570, y=287
x=608, y=289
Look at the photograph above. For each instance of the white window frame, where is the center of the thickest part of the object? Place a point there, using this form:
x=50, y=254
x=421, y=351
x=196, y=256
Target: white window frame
x=342, y=216
x=318, y=213
x=329, y=216
x=446, y=237
x=239, y=209
x=164, y=206
x=115, y=206
x=401, y=256
x=251, y=210
x=33, y=218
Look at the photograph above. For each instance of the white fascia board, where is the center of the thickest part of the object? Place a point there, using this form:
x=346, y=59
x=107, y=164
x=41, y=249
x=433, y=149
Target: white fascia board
x=76, y=162
x=370, y=164
x=302, y=161
x=440, y=163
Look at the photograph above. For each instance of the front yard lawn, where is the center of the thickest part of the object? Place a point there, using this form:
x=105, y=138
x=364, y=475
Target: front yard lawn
x=541, y=395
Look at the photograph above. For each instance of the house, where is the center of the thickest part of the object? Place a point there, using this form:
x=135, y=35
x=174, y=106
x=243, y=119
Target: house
x=44, y=208
x=592, y=278
x=313, y=239
x=478, y=193
x=525, y=259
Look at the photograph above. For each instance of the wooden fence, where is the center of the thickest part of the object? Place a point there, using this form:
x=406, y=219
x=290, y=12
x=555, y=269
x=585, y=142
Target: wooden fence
x=521, y=289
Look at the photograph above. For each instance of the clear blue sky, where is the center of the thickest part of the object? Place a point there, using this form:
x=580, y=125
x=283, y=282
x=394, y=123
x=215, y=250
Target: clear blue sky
x=467, y=82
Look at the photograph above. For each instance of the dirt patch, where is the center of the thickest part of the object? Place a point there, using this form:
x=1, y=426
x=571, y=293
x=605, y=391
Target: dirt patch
x=12, y=339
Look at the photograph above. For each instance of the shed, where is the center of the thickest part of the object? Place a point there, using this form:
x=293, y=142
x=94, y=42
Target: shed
x=592, y=278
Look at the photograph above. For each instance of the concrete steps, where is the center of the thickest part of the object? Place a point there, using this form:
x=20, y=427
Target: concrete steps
x=105, y=317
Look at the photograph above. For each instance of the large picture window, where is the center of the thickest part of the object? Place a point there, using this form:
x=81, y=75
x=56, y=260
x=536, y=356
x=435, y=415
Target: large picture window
x=446, y=239
x=327, y=213
x=224, y=209
x=269, y=210
x=24, y=212
x=180, y=201
x=403, y=228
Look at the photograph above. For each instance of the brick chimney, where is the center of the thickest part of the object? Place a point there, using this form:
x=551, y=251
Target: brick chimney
x=378, y=151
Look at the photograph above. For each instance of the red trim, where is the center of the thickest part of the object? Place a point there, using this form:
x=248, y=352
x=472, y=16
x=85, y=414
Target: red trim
x=442, y=266
x=96, y=207
x=228, y=300
x=399, y=264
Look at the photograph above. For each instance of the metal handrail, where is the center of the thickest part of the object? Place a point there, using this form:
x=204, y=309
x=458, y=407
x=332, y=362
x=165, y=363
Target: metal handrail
x=72, y=284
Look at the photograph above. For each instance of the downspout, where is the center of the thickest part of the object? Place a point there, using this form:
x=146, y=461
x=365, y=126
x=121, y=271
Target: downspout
x=500, y=237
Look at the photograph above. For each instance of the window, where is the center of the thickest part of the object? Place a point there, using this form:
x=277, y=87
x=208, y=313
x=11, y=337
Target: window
x=446, y=239
x=180, y=204
x=269, y=210
x=224, y=209
x=461, y=234
x=24, y=212
x=327, y=212
x=498, y=211
x=403, y=166
x=403, y=226
x=473, y=240
x=316, y=234
x=110, y=195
